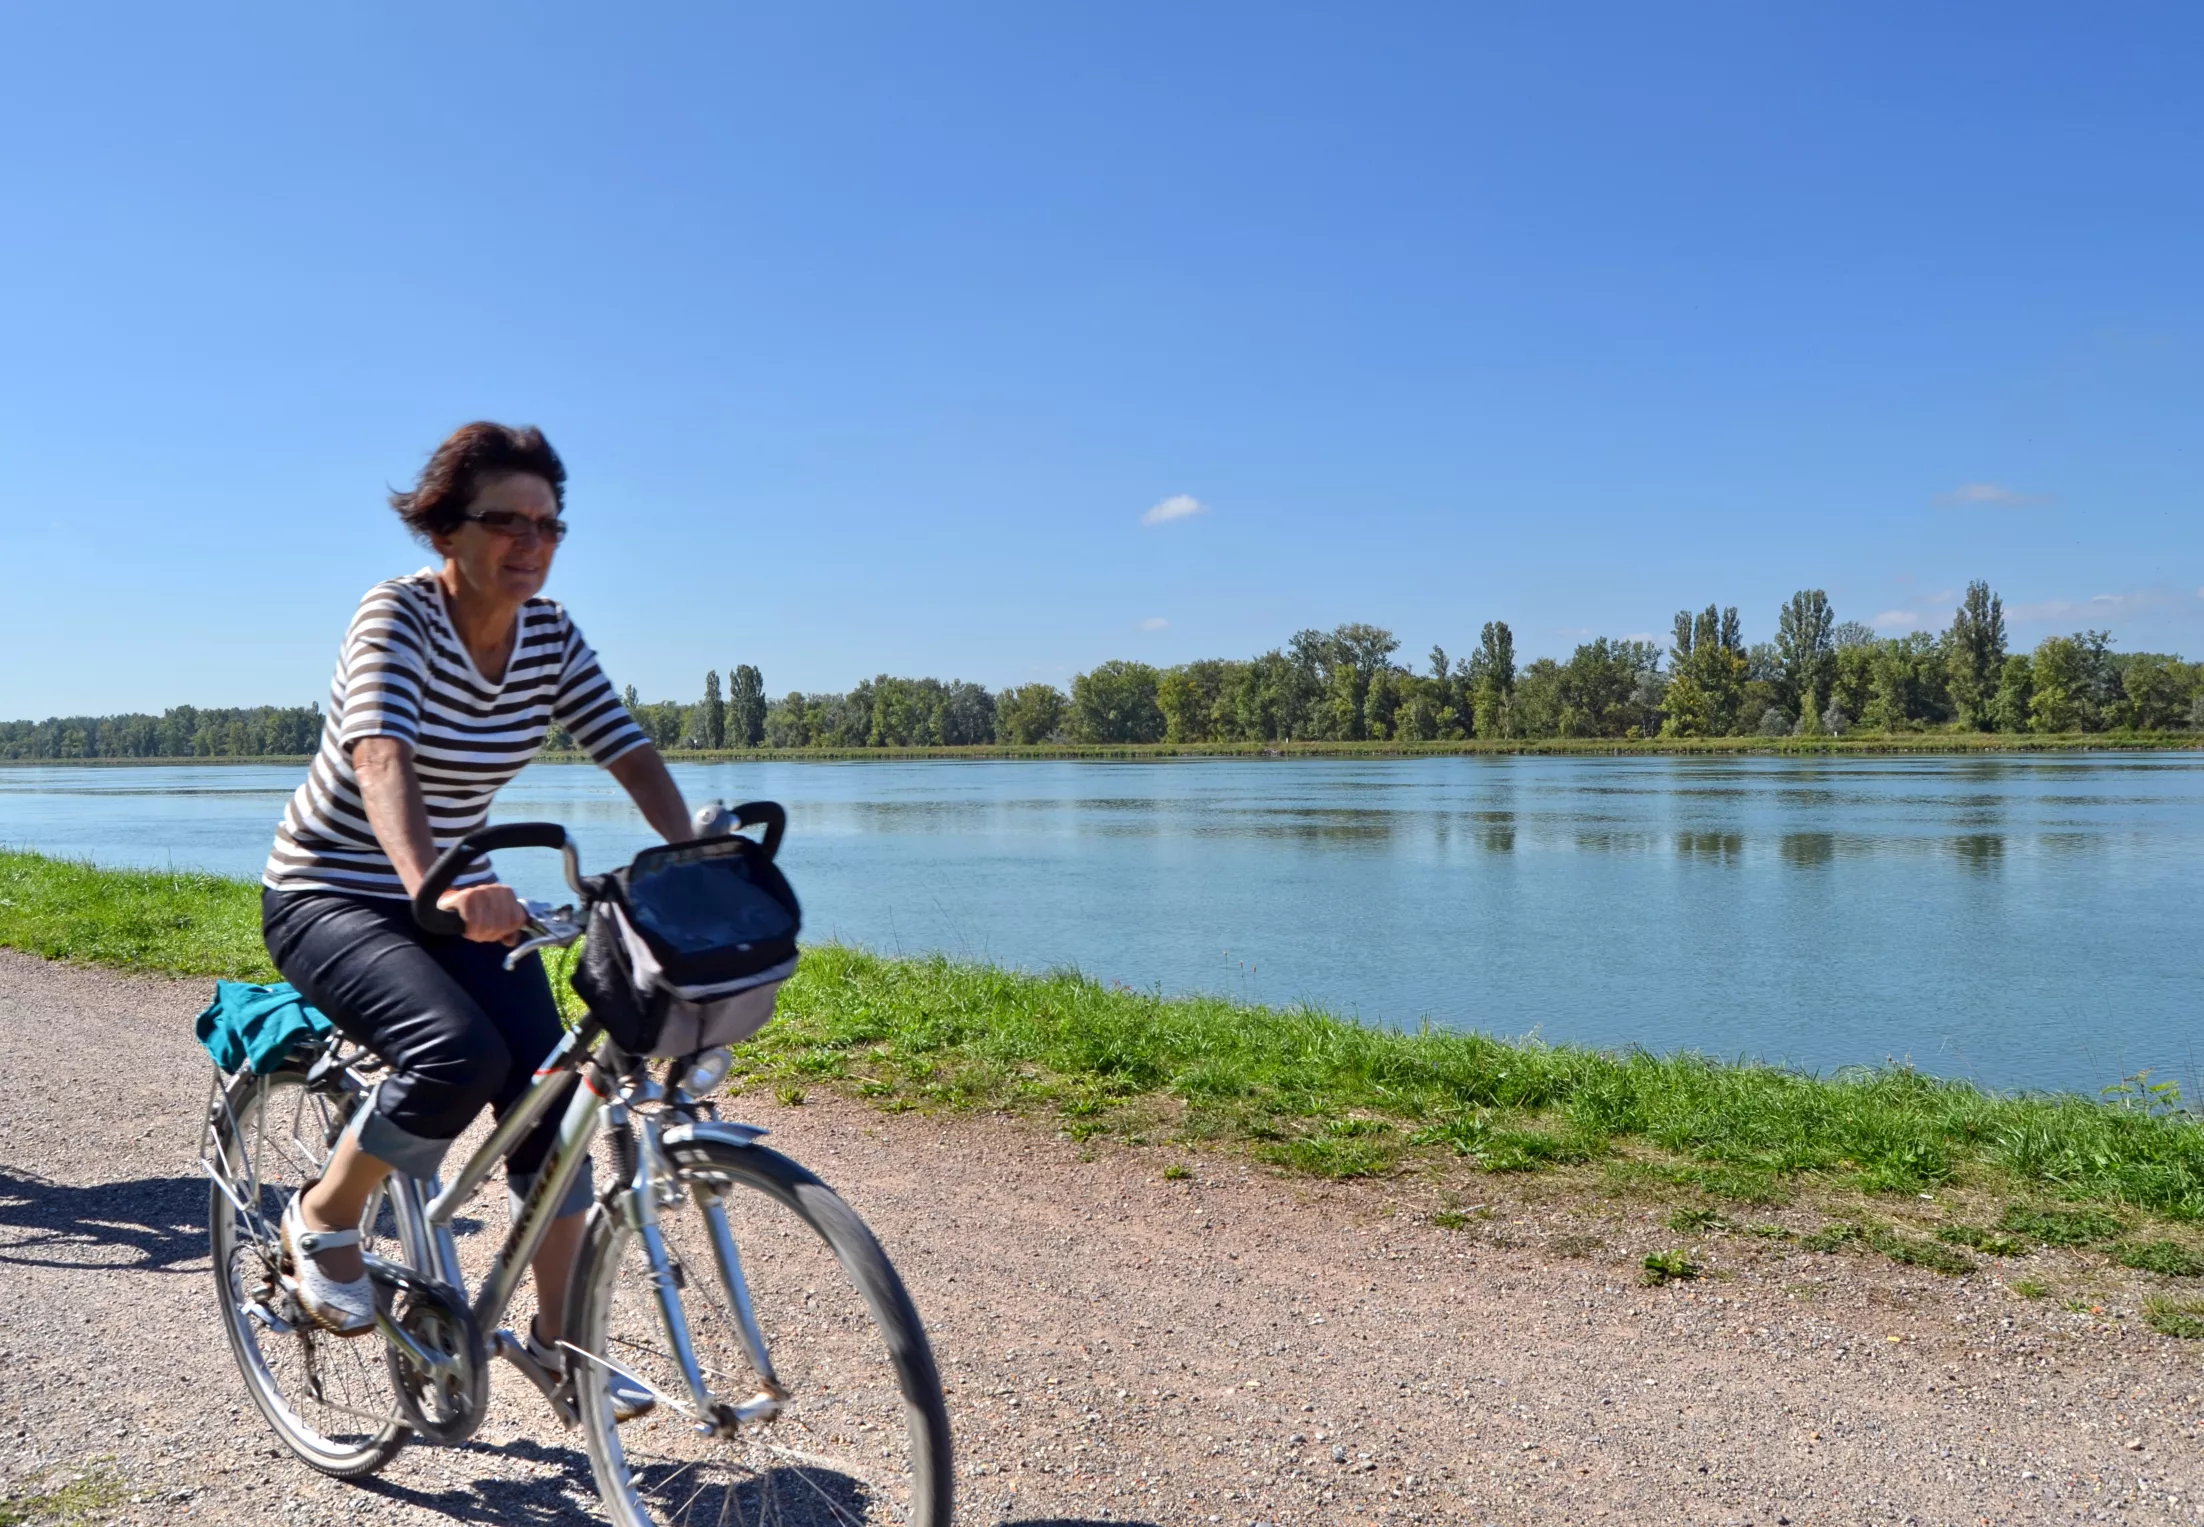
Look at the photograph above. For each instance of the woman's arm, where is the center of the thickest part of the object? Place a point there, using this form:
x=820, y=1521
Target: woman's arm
x=391, y=793
x=643, y=774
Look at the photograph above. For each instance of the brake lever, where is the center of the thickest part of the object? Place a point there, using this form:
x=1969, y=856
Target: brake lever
x=550, y=929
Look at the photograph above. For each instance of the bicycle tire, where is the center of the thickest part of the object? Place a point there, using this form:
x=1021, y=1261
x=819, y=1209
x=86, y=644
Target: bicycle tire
x=839, y=1376
x=236, y=1255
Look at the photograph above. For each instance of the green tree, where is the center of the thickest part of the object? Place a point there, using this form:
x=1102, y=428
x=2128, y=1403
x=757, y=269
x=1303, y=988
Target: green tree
x=1603, y=691
x=1806, y=645
x=1116, y=703
x=1381, y=702
x=1194, y=698
x=2012, y=707
x=2060, y=677
x=712, y=723
x=1535, y=708
x=1029, y=714
x=745, y=706
x=1852, y=686
x=1974, y=654
x=1707, y=669
x=2156, y=692
x=1492, y=680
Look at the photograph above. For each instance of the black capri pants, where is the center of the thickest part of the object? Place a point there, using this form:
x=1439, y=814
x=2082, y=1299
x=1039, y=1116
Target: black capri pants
x=456, y=1028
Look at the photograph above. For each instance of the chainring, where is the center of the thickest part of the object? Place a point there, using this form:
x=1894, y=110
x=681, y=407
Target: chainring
x=444, y=1406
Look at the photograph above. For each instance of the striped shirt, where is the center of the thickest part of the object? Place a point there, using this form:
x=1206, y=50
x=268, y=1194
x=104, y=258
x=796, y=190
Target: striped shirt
x=405, y=673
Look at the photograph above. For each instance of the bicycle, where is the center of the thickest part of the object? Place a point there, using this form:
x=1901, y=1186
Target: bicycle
x=793, y=1379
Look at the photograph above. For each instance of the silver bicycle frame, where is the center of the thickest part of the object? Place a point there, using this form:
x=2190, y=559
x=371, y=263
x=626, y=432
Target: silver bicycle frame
x=430, y=1223
x=426, y=1210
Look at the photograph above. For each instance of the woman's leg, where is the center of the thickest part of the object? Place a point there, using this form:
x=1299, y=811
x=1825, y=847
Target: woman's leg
x=519, y=1002
x=376, y=976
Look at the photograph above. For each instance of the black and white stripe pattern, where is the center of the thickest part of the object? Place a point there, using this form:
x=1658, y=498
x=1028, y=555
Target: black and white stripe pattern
x=404, y=673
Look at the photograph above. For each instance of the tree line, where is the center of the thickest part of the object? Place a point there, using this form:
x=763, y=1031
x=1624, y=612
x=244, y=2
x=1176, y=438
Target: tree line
x=1818, y=677
x=183, y=731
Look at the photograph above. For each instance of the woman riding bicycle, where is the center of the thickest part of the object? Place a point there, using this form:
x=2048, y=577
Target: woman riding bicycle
x=445, y=687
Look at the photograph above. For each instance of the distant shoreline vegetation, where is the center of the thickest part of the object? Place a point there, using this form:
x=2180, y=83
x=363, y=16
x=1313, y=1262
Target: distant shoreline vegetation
x=1820, y=684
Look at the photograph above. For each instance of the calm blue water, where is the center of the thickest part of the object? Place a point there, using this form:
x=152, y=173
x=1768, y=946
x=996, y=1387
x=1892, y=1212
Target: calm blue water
x=2022, y=921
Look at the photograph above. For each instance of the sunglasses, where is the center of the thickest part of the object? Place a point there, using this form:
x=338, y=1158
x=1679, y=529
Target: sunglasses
x=512, y=524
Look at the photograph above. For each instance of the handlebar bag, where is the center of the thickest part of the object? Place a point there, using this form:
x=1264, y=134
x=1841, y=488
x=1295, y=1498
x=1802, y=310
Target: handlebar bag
x=688, y=947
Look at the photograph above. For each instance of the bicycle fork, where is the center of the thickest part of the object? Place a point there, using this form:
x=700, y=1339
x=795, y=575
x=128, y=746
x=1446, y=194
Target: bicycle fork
x=654, y=1188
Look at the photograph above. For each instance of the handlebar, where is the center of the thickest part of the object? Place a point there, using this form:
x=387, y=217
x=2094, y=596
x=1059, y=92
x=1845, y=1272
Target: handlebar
x=766, y=814
x=711, y=821
x=473, y=846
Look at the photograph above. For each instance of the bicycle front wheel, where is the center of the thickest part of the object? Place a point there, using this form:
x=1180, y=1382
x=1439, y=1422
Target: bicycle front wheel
x=862, y=1437
x=329, y=1398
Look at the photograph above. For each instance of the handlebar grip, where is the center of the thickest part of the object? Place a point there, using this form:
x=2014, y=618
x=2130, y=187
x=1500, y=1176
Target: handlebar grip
x=770, y=816
x=474, y=845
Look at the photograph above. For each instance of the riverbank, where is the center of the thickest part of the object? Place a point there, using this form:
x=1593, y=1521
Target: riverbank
x=1931, y=1173
x=1857, y=744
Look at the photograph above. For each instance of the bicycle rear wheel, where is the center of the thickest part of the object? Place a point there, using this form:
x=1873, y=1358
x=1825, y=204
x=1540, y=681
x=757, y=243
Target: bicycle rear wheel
x=863, y=1435
x=329, y=1398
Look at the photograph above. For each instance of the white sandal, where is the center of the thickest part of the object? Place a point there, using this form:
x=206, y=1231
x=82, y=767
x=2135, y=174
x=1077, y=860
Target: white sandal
x=339, y=1306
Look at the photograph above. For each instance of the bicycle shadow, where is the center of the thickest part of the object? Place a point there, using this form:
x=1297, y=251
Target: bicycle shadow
x=568, y=1498
x=160, y=1222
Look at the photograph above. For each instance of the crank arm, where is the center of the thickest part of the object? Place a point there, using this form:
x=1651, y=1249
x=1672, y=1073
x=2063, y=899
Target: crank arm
x=681, y=1407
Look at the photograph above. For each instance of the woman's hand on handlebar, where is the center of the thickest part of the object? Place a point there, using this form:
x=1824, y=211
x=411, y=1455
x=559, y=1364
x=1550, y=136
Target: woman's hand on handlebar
x=492, y=912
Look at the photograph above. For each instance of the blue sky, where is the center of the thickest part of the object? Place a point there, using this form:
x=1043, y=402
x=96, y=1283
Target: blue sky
x=871, y=335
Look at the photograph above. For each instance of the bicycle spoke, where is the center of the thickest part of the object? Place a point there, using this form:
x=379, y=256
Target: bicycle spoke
x=329, y=1398
x=840, y=1453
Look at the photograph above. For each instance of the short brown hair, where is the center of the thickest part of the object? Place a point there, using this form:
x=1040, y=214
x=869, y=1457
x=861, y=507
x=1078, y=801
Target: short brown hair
x=471, y=454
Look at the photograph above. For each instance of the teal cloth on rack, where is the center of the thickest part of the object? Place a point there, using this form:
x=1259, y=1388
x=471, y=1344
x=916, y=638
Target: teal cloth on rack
x=257, y=1026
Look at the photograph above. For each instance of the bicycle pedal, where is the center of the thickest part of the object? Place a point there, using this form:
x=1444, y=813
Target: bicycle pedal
x=557, y=1388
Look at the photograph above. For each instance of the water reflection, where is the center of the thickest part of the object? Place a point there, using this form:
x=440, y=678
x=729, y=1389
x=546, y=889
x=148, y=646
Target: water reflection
x=1981, y=851
x=1809, y=850
x=1719, y=847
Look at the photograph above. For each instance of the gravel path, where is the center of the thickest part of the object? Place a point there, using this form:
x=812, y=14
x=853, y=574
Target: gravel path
x=1233, y=1347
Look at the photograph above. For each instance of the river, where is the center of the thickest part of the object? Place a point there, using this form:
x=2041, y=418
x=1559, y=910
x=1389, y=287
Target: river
x=2024, y=921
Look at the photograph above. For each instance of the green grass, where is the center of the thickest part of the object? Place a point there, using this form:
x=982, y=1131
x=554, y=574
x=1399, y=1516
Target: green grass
x=2175, y=1317
x=88, y=1497
x=2170, y=1258
x=1306, y=1090
x=2065, y=1227
x=177, y=923
x=1668, y=1267
x=1696, y=1220
x=1983, y=1240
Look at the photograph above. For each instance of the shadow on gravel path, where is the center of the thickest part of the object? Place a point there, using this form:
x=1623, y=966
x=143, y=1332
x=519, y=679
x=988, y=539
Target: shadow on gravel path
x=566, y=1500
x=160, y=1221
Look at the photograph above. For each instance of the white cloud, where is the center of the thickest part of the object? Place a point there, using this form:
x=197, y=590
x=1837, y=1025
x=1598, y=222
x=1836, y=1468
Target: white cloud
x=1896, y=620
x=1179, y=506
x=1154, y=623
x=1989, y=494
x=2095, y=608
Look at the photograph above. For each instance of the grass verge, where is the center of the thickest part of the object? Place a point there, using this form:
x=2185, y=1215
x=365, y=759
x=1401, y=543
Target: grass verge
x=167, y=921
x=1318, y=1094
x=87, y=1496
